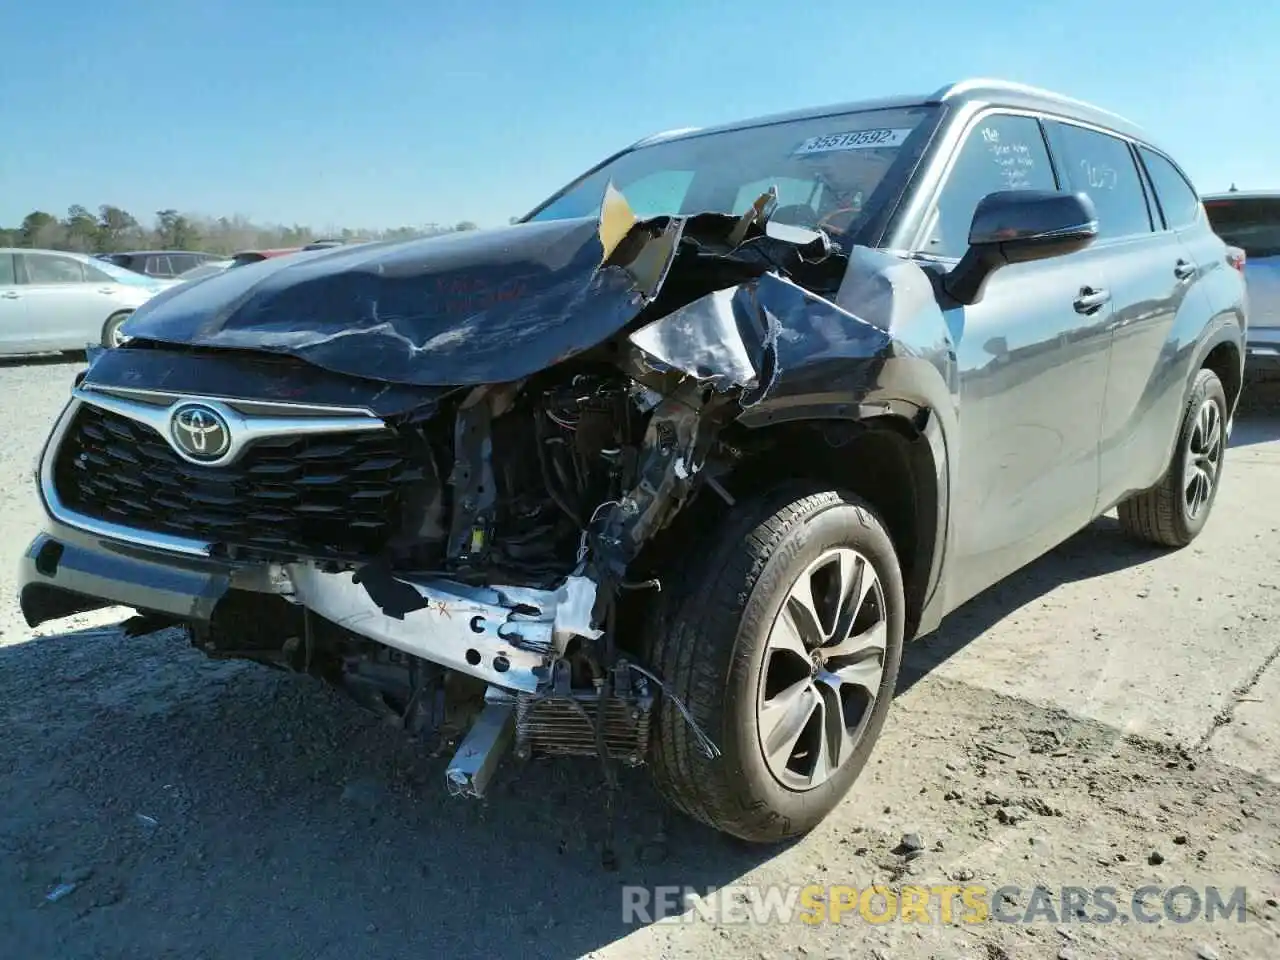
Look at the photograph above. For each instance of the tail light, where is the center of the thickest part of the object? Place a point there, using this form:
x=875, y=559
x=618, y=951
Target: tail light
x=1236, y=257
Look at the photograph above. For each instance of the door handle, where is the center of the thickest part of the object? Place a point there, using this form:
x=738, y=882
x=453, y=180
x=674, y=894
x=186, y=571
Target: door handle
x=1184, y=270
x=10, y=295
x=109, y=291
x=1091, y=300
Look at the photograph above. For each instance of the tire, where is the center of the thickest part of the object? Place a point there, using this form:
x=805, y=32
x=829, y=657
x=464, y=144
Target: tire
x=710, y=643
x=1164, y=515
x=111, y=328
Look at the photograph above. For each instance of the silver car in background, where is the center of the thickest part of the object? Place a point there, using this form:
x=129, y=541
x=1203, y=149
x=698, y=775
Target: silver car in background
x=51, y=300
x=1250, y=220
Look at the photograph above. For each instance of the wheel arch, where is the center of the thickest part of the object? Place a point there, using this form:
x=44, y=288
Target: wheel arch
x=892, y=456
x=1224, y=358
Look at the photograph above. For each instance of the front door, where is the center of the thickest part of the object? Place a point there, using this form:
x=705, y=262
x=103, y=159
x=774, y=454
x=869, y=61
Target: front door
x=1032, y=357
x=13, y=309
x=65, y=311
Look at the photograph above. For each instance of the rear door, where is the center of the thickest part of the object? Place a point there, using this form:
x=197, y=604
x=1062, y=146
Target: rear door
x=1252, y=223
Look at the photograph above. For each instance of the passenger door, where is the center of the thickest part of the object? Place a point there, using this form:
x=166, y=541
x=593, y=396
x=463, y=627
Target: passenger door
x=1032, y=360
x=64, y=309
x=1152, y=278
x=13, y=309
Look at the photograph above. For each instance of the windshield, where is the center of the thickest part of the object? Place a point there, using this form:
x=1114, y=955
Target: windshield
x=205, y=270
x=1253, y=224
x=825, y=170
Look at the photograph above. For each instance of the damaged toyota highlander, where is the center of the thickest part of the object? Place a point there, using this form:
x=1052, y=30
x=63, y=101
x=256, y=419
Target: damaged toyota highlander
x=667, y=472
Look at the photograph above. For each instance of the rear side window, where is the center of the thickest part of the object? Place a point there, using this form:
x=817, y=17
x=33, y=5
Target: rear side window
x=7, y=275
x=1179, y=203
x=46, y=268
x=1251, y=223
x=159, y=267
x=1002, y=152
x=1102, y=166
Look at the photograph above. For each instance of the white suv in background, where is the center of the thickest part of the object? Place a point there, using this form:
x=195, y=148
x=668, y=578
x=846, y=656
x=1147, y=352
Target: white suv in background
x=1250, y=220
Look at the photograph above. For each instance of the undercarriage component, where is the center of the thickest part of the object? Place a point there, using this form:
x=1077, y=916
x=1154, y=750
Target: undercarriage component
x=480, y=752
x=563, y=722
x=504, y=636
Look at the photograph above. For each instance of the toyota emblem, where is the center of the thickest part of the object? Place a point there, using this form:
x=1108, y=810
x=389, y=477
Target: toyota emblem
x=200, y=432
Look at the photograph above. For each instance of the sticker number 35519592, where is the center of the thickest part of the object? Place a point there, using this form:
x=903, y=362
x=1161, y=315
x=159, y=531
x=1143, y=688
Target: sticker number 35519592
x=853, y=140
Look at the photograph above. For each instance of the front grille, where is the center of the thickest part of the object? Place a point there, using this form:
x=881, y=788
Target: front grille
x=334, y=495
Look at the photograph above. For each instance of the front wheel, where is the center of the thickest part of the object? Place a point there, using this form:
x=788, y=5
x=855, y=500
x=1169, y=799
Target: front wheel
x=1174, y=511
x=111, y=336
x=784, y=647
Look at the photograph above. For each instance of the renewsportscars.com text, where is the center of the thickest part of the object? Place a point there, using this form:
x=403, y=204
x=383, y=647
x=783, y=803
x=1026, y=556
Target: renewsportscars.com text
x=939, y=903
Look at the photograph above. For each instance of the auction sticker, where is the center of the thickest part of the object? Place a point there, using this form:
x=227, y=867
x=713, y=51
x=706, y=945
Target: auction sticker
x=853, y=140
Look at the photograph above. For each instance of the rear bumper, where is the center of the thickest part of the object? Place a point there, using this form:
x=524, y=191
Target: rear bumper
x=1262, y=351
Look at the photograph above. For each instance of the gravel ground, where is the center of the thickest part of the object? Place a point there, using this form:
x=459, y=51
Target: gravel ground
x=1104, y=718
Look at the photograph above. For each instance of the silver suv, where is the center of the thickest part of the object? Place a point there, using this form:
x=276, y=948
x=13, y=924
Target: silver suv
x=1251, y=222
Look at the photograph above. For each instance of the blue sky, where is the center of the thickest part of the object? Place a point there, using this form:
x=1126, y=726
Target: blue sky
x=379, y=113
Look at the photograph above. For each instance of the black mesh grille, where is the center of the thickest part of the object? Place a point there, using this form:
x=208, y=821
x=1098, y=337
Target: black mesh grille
x=331, y=495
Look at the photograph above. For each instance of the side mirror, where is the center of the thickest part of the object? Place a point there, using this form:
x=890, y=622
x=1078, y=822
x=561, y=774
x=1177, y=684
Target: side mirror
x=1017, y=226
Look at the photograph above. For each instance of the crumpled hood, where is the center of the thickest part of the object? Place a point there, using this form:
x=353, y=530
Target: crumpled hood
x=461, y=308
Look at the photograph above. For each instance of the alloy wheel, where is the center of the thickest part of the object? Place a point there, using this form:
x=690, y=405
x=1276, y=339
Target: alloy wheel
x=823, y=664
x=1203, y=460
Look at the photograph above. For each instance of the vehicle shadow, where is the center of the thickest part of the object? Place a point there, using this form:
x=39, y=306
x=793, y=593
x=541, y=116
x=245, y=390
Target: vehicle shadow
x=1258, y=416
x=1097, y=550
x=204, y=803
x=42, y=359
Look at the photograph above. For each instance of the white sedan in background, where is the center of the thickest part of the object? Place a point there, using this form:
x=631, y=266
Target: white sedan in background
x=51, y=300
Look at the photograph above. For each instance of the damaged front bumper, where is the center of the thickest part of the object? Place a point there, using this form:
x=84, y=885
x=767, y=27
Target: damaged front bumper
x=507, y=637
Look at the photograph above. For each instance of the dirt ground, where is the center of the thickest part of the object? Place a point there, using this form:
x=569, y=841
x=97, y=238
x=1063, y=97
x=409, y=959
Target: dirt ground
x=1105, y=718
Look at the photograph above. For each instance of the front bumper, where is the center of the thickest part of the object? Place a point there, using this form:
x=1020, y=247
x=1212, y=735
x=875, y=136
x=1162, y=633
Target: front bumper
x=505, y=636
x=66, y=571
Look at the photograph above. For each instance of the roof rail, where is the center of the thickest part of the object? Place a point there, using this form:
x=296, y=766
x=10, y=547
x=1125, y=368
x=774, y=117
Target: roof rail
x=980, y=85
x=663, y=135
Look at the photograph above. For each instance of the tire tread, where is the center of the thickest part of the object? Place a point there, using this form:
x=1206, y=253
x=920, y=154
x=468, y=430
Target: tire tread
x=693, y=646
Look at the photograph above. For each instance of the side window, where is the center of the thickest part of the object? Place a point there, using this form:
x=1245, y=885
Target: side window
x=1179, y=201
x=7, y=274
x=47, y=268
x=1003, y=152
x=1102, y=166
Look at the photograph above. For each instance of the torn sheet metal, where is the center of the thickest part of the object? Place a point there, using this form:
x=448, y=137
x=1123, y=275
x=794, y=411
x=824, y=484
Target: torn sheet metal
x=677, y=439
x=467, y=308
x=575, y=601
x=749, y=336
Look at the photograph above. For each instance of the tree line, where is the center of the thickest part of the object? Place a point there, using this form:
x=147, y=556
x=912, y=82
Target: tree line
x=113, y=229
